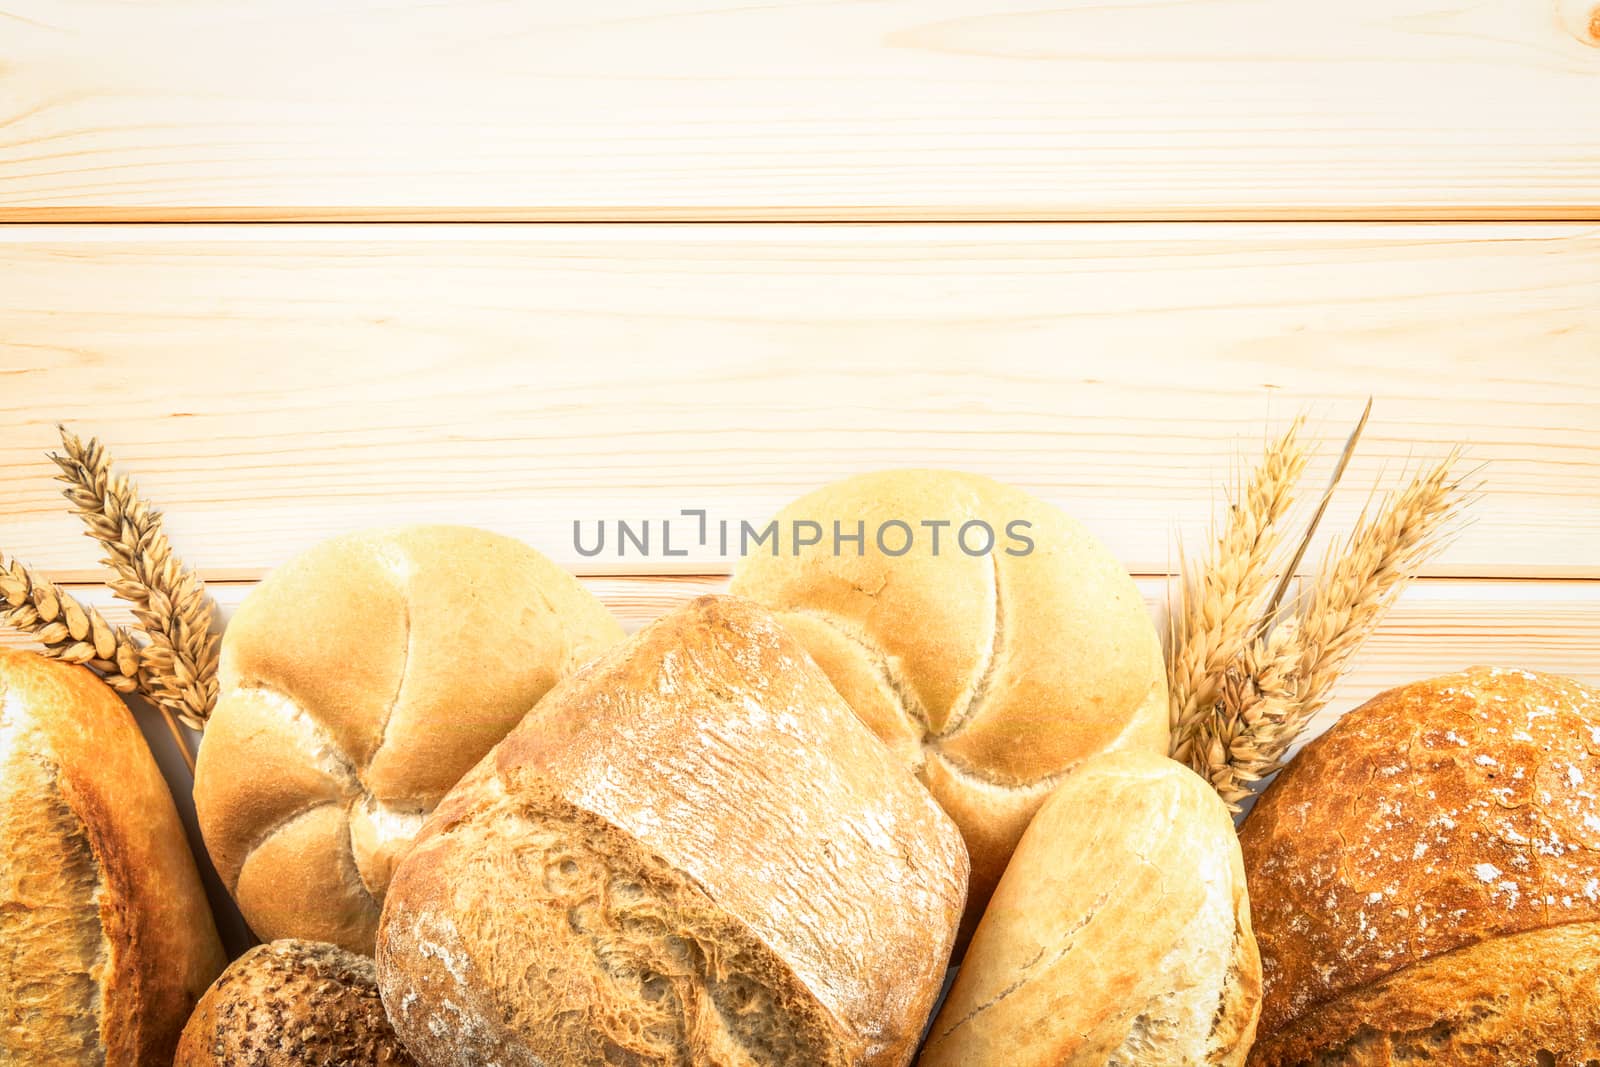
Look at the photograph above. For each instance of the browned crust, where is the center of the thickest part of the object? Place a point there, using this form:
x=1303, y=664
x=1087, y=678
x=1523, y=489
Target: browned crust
x=1438, y=816
x=1525, y=999
x=292, y=1004
x=713, y=742
x=160, y=945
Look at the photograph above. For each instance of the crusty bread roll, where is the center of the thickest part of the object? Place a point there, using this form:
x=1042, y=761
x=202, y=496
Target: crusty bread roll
x=359, y=682
x=691, y=852
x=292, y=1004
x=1425, y=880
x=991, y=675
x=1119, y=936
x=106, y=939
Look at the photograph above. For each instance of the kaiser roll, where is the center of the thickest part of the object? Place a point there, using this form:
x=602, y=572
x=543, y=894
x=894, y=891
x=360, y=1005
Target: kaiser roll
x=1426, y=877
x=359, y=681
x=990, y=675
x=292, y=1004
x=691, y=853
x=106, y=939
x=1118, y=937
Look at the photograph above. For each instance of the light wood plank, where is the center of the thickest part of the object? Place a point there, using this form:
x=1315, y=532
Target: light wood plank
x=270, y=386
x=895, y=109
x=1438, y=626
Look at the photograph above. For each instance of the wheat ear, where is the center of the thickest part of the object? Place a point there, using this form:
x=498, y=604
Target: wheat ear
x=1283, y=678
x=1359, y=581
x=170, y=603
x=68, y=630
x=1219, y=601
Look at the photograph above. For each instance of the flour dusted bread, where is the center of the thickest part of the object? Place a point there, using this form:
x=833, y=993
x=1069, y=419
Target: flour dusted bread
x=1426, y=881
x=991, y=675
x=359, y=682
x=292, y=1004
x=106, y=940
x=1119, y=936
x=691, y=853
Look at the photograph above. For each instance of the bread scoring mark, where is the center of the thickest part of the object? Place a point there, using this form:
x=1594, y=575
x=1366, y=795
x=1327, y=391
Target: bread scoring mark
x=910, y=707
x=323, y=752
x=379, y=837
x=988, y=778
x=399, y=566
x=973, y=702
x=1036, y=963
x=231, y=878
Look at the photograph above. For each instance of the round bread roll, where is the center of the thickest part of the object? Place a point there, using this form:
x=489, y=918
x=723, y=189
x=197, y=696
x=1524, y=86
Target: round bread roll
x=293, y=1004
x=690, y=853
x=1426, y=882
x=1119, y=936
x=106, y=939
x=990, y=675
x=359, y=682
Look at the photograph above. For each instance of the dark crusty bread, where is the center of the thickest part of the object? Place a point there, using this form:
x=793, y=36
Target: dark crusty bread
x=689, y=853
x=293, y=1004
x=106, y=939
x=1425, y=879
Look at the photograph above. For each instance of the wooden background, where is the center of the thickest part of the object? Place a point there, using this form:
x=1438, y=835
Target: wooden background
x=307, y=267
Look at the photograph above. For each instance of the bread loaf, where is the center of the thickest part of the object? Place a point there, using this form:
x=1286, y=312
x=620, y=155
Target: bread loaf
x=691, y=853
x=1426, y=884
x=359, y=681
x=292, y=1004
x=1119, y=936
x=106, y=940
x=990, y=675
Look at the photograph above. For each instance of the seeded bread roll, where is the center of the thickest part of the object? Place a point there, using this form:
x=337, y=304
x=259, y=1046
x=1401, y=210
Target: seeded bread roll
x=691, y=853
x=1119, y=936
x=1425, y=881
x=991, y=675
x=106, y=939
x=292, y=1004
x=359, y=682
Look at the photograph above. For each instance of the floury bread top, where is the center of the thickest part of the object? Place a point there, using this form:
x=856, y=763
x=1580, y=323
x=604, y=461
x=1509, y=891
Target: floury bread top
x=691, y=852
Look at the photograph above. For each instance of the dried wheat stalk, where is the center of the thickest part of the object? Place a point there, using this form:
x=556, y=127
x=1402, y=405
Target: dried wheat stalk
x=170, y=603
x=1261, y=689
x=66, y=629
x=1219, y=602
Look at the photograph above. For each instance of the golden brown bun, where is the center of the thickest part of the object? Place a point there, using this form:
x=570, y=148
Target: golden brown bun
x=1419, y=872
x=991, y=676
x=293, y=1004
x=359, y=682
x=1119, y=935
x=692, y=852
x=106, y=939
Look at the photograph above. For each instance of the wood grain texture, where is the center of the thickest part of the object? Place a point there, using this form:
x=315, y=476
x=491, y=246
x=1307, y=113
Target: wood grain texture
x=908, y=109
x=270, y=386
x=1438, y=626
